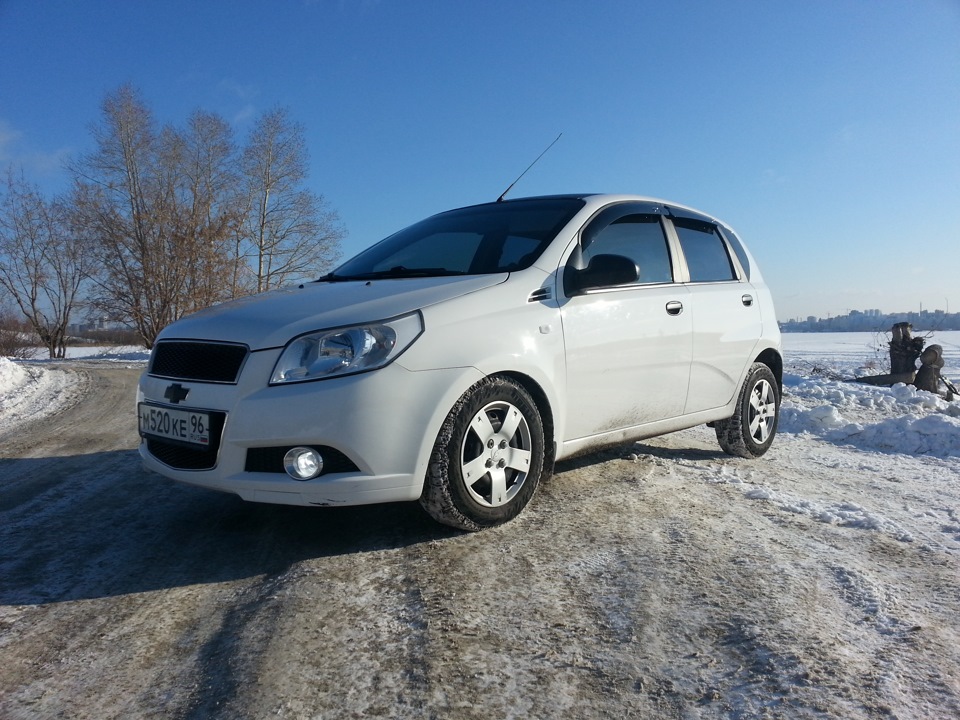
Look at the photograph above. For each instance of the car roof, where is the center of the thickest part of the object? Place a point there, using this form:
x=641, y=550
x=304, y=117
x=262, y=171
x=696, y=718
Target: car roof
x=600, y=199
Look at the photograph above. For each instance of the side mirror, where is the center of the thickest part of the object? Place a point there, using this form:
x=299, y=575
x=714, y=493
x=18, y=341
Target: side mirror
x=603, y=271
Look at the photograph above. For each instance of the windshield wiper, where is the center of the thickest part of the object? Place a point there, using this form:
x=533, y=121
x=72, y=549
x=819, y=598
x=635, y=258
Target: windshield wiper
x=398, y=271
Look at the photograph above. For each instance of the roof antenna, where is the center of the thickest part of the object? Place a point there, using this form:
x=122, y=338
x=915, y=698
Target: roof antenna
x=500, y=199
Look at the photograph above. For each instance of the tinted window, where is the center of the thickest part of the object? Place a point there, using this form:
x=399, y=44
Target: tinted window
x=705, y=251
x=738, y=250
x=516, y=249
x=453, y=250
x=497, y=237
x=638, y=237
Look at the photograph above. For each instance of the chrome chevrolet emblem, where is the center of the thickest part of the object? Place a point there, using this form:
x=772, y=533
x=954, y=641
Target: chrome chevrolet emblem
x=176, y=392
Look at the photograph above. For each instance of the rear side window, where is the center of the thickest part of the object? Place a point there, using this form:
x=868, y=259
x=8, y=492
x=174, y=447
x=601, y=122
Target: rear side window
x=705, y=251
x=738, y=250
x=640, y=238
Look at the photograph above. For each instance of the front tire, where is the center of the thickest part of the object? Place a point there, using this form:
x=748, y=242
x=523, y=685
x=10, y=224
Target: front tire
x=750, y=432
x=488, y=458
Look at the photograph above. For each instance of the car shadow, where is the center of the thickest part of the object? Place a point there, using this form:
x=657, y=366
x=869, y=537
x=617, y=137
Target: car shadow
x=98, y=525
x=624, y=451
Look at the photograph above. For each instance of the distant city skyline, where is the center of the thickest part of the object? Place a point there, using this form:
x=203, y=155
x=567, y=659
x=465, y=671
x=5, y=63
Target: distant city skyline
x=874, y=320
x=945, y=309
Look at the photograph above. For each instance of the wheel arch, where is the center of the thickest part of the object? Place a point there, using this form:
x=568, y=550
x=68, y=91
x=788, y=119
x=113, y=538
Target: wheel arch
x=546, y=414
x=773, y=360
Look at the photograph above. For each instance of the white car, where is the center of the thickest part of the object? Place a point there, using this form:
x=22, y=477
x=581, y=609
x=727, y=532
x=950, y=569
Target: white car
x=455, y=361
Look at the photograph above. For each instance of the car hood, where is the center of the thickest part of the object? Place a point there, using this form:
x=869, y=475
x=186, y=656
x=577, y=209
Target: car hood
x=271, y=319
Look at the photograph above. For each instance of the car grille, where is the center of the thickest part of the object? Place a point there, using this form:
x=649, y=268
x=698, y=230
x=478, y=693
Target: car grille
x=270, y=460
x=200, y=361
x=183, y=456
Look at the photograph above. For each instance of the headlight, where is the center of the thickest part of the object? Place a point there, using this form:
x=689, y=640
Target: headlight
x=345, y=351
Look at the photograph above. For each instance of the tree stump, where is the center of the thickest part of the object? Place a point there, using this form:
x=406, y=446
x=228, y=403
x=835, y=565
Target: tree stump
x=928, y=376
x=904, y=349
x=887, y=380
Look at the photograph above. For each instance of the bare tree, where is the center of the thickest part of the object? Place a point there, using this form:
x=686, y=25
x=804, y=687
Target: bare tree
x=162, y=205
x=287, y=231
x=210, y=204
x=120, y=195
x=45, y=261
x=17, y=339
x=183, y=220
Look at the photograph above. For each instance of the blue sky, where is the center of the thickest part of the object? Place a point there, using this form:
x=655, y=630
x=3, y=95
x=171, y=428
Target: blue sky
x=826, y=132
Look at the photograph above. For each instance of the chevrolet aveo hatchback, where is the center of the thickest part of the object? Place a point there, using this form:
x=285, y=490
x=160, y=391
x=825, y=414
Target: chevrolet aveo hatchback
x=456, y=360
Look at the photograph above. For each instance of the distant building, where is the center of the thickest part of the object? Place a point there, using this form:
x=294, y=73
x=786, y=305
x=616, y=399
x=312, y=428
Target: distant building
x=873, y=320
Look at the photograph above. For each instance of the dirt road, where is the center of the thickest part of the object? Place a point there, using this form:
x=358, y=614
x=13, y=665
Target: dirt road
x=642, y=582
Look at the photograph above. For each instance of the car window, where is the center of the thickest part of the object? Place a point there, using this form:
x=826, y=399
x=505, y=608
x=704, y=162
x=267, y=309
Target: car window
x=463, y=252
x=640, y=238
x=450, y=250
x=490, y=238
x=515, y=251
x=738, y=249
x=705, y=251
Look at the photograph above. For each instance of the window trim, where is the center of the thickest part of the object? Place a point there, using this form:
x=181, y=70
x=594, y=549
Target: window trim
x=573, y=258
x=685, y=272
x=734, y=243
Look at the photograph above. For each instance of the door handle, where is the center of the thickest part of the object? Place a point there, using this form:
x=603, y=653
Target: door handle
x=674, y=307
x=747, y=300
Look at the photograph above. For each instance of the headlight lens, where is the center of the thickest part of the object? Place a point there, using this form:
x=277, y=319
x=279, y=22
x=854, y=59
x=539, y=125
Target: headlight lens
x=345, y=351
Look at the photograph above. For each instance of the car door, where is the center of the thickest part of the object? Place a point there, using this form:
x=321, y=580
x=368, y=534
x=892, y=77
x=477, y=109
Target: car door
x=724, y=311
x=628, y=347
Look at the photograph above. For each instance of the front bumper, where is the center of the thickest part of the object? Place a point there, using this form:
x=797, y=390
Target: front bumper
x=384, y=422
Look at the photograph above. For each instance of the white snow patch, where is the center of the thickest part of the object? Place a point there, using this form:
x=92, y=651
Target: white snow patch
x=12, y=376
x=33, y=389
x=844, y=513
x=29, y=392
x=820, y=398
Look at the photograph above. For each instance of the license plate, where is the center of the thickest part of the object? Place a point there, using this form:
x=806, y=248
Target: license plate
x=183, y=425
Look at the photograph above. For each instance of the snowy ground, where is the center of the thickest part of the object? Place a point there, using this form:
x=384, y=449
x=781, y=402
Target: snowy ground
x=31, y=390
x=660, y=579
x=892, y=421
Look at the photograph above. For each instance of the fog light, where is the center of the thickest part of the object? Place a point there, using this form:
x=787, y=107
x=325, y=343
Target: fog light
x=302, y=463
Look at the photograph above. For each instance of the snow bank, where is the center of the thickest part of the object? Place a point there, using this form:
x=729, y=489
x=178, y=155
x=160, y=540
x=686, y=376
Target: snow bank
x=890, y=420
x=12, y=377
x=935, y=435
x=33, y=389
x=123, y=353
x=28, y=392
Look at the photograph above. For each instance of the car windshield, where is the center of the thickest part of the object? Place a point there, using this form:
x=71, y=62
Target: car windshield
x=478, y=240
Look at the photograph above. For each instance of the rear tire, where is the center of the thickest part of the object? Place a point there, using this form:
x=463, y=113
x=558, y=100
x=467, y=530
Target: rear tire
x=488, y=458
x=750, y=432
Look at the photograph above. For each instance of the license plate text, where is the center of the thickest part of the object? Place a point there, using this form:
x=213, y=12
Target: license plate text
x=183, y=425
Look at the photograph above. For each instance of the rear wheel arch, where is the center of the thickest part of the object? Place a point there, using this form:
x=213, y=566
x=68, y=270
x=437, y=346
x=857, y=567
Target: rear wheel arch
x=773, y=360
x=750, y=431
